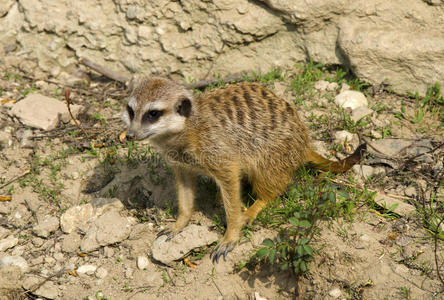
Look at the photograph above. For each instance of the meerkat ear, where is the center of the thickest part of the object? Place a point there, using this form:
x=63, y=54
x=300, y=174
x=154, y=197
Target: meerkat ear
x=183, y=107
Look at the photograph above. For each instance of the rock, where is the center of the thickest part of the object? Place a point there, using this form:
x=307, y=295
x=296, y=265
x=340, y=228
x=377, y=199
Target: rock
x=82, y=215
x=42, y=112
x=59, y=256
x=49, y=261
x=8, y=243
x=86, y=269
x=360, y=112
x=142, y=262
x=129, y=273
x=367, y=171
x=367, y=47
x=3, y=233
x=14, y=261
x=376, y=134
x=26, y=141
x=344, y=87
x=257, y=296
x=5, y=139
x=45, y=227
x=352, y=99
x=101, y=273
x=350, y=140
x=410, y=192
x=108, y=252
x=321, y=85
x=335, y=293
x=395, y=205
x=193, y=236
x=108, y=229
x=47, y=290
x=71, y=242
x=10, y=279
x=389, y=147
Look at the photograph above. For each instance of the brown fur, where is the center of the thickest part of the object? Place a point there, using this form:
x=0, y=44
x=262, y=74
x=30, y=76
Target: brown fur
x=235, y=131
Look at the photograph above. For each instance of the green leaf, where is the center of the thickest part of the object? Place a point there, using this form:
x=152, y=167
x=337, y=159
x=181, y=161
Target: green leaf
x=272, y=255
x=303, y=241
x=294, y=221
x=300, y=251
x=304, y=223
x=343, y=194
x=262, y=252
x=268, y=243
x=308, y=249
x=332, y=197
x=284, y=266
x=304, y=267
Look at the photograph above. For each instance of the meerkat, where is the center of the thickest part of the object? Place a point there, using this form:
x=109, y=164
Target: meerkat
x=240, y=130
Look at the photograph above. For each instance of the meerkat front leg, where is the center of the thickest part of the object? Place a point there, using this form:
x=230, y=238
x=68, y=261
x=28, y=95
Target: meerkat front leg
x=228, y=179
x=186, y=187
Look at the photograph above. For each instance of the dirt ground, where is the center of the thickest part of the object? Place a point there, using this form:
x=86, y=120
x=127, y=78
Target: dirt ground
x=374, y=255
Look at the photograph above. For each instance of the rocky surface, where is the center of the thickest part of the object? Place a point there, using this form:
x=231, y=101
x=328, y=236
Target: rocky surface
x=397, y=43
x=42, y=112
x=193, y=236
x=82, y=221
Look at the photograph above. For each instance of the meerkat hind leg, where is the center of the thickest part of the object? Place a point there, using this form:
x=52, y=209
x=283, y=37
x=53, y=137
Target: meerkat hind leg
x=265, y=191
x=186, y=187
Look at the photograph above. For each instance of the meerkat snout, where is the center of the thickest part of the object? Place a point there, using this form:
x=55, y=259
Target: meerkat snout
x=157, y=108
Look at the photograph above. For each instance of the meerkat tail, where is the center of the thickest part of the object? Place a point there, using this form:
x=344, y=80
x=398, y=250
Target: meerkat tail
x=323, y=164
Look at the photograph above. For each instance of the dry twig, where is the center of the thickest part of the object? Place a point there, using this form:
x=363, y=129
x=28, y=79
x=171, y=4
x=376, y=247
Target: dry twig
x=68, y=103
x=102, y=70
x=15, y=178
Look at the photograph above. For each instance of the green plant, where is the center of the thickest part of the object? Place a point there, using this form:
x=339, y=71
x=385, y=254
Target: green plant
x=298, y=215
x=303, y=83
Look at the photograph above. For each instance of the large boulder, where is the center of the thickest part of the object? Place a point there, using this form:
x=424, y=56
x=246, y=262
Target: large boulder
x=398, y=42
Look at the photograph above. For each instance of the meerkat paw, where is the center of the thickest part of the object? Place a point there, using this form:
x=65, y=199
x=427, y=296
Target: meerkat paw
x=170, y=231
x=222, y=248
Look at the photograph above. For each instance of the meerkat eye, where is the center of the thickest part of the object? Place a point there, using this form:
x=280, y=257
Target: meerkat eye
x=130, y=112
x=152, y=116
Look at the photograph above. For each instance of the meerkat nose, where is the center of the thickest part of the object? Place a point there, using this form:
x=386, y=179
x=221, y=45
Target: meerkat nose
x=130, y=135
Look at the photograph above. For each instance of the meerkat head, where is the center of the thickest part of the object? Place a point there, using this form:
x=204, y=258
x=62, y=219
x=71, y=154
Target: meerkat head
x=156, y=108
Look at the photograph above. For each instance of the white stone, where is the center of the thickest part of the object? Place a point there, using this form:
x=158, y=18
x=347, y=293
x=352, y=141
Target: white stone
x=8, y=243
x=108, y=229
x=332, y=86
x=42, y=112
x=142, y=262
x=193, y=236
x=335, y=293
x=14, y=261
x=344, y=136
x=321, y=85
x=86, y=269
x=351, y=99
x=3, y=233
x=360, y=112
x=410, y=191
x=101, y=273
x=396, y=205
x=46, y=226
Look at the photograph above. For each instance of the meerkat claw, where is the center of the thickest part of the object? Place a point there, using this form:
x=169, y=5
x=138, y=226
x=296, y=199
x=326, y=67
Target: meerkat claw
x=219, y=250
x=169, y=232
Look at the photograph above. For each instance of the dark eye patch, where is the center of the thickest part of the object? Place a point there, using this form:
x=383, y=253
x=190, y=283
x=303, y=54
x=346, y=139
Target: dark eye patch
x=130, y=112
x=152, y=116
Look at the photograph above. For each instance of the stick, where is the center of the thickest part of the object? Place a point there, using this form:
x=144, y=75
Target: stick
x=15, y=178
x=204, y=83
x=196, y=85
x=68, y=103
x=100, y=69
